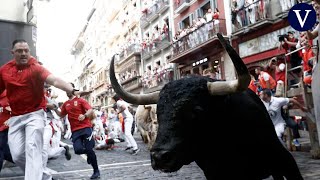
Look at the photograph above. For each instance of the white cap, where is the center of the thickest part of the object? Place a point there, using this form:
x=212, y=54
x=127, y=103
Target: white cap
x=282, y=66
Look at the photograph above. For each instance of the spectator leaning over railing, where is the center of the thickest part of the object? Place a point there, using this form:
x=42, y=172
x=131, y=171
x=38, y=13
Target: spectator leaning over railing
x=307, y=63
x=276, y=68
x=265, y=80
x=289, y=44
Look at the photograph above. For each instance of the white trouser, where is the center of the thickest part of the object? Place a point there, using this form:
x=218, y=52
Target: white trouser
x=56, y=152
x=127, y=133
x=52, y=150
x=280, y=129
x=25, y=140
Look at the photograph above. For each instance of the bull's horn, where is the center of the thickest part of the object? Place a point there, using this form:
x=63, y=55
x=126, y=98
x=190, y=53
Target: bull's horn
x=142, y=99
x=228, y=87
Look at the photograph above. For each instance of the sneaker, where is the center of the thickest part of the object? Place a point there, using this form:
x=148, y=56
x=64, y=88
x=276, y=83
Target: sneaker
x=296, y=142
x=67, y=153
x=95, y=175
x=135, y=151
x=128, y=148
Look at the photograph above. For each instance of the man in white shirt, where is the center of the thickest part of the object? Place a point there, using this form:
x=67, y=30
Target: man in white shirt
x=274, y=105
x=122, y=107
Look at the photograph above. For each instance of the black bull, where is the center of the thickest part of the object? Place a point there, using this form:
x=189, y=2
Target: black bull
x=222, y=126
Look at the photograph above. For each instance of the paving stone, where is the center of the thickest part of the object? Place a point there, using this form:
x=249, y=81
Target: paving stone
x=118, y=164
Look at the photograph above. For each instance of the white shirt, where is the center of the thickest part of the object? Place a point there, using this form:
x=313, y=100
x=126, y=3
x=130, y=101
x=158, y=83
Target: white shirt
x=274, y=109
x=125, y=113
x=209, y=17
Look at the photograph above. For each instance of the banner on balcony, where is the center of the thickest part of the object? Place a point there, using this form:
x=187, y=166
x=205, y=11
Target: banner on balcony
x=262, y=43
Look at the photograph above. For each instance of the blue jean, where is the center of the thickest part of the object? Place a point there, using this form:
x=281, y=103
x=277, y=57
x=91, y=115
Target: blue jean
x=82, y=145
x=4, y=148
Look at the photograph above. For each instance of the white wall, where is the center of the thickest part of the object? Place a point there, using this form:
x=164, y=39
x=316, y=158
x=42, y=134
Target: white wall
x=13, y=10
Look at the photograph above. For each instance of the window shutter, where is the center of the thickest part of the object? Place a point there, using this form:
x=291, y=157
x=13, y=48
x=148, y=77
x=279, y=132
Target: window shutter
x=180, y=25
x=198, y=13
x=191, y=18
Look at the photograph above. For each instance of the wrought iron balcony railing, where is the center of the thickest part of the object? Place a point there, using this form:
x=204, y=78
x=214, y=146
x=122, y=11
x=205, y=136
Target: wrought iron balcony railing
x=194, y=37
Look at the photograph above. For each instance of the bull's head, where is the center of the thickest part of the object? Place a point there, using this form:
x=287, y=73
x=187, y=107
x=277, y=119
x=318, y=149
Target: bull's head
x=180, y=105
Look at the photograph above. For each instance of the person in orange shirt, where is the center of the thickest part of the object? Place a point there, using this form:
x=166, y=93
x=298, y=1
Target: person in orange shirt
x=307, y=69
x=252, y=85
x=266, y=81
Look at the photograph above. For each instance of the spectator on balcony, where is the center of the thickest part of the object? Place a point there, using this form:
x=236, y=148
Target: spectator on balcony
x=201, y=29
x=154, y=5
x=234, y=14
x=145, y=9
x=264, y=9
x=175, y=43
x=183, y=42
x=216, y=20
x=241, y=13
x=290, y=45
x=165, y=28
x=251, y=11
x=209, y=18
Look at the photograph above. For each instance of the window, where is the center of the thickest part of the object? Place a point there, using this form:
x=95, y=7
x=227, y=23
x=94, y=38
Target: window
x=186, y=22
x=181, y=25
x=149, y=67
x=203, y=9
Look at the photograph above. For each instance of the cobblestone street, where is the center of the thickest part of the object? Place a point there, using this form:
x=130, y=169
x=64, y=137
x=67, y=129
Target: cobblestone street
x=115, y=164
x=118, y=164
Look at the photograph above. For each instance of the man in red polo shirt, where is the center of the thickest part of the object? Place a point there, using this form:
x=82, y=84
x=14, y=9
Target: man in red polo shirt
x=4, y=116
x=80, y=115
x=24, y=78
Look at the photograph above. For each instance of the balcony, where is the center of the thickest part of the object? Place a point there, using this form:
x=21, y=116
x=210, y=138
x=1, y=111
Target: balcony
x=181, y=6
x=155, y=81
x=252, y=17
x=202, y=38
x=155, y=46
x=153, y=12
x=133, y=49
x=103, y=90
x=132, y=83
